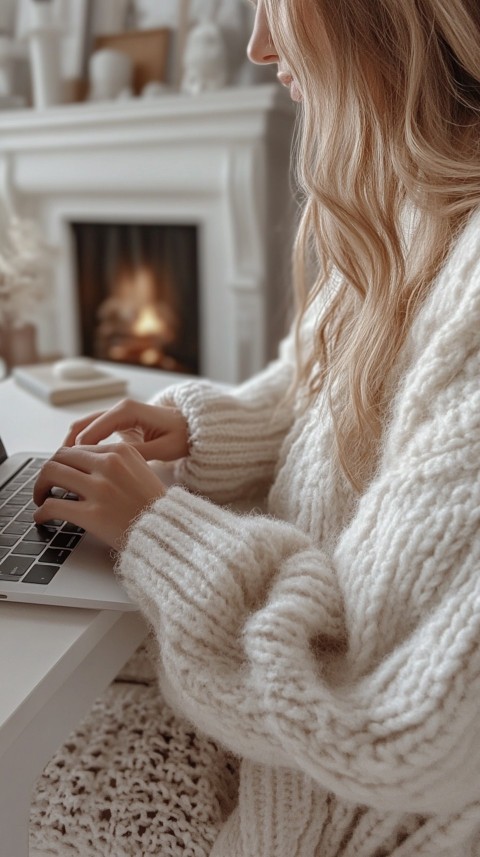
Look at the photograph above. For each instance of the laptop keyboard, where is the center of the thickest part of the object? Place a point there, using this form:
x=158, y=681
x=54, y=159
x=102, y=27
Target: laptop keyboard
x=30, y=553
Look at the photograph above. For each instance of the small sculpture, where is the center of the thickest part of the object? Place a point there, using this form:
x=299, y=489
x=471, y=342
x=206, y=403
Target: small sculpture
x=205, y=60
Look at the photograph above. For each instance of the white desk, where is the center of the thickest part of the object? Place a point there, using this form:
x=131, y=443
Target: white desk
x=55, y=661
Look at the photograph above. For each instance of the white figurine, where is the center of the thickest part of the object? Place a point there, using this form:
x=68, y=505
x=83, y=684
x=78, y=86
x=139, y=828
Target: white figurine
x=205, y=60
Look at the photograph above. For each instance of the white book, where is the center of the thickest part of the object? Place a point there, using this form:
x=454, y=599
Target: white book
x=40, y=380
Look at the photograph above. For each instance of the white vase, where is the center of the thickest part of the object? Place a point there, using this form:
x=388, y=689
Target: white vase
x=110, y=74
x=18, y=345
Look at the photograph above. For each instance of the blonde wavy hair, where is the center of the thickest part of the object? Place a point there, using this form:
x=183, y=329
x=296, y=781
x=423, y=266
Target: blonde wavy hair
x=390, y=124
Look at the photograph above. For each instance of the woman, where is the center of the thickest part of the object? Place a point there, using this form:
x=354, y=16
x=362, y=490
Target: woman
x=332, y=644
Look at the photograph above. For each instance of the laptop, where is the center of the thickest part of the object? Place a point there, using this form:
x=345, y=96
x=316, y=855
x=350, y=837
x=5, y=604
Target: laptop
x=57, y=564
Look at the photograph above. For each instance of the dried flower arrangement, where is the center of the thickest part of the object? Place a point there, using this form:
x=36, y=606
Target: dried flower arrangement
x=25, y=272
x=26, y=262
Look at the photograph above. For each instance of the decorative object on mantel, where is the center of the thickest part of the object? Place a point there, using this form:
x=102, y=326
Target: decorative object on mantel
x=110, y=75
x=44, y=38
x=9, y=54
x=45, y=26
x=145, y=50
x=26, y=273
x=205, y=59
x=233, y=17
x=12, y=53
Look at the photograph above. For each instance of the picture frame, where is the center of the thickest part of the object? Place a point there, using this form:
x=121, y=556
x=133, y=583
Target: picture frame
x=148, y=51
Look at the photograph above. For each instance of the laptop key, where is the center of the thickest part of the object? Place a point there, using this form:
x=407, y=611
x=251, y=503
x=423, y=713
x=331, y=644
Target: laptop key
x=9, y=510
x=25, y=518
x=8, y=541
x=39, y=534
x=59, y=493
x=41, y=574
x=17, y=528
x=16, y=500
x=15, y=566
x=28, y=548
x=24, y=496
x=72, y=528
x=66, y=540
x=3, y=552
x=54, y=555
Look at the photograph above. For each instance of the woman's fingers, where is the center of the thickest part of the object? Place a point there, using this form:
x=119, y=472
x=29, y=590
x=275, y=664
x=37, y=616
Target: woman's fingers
x=128, y=416
x=78, y=426
x=89, y=430
x=125, y=416
x=157, y=433
x=58, y=474
x=113, y=483
x=55, y=508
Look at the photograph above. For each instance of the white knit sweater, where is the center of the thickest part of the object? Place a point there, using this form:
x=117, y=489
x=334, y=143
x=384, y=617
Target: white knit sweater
x=332, y=643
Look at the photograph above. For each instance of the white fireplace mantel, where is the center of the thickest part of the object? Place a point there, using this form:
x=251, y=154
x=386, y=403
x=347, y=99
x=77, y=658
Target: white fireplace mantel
x=219, y=161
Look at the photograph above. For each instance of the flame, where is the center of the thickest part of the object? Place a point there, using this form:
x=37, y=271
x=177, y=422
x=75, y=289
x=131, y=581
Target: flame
x=136, y=321
x=149, y=323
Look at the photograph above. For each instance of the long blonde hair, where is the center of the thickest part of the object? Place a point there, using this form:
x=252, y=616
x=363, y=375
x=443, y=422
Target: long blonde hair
x=390, y=123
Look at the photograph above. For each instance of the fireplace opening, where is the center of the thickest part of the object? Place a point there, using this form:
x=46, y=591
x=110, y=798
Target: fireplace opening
x=138, y=294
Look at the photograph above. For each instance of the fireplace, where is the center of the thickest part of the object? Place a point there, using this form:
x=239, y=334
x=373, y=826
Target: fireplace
x=137, y=287
x=204, y=181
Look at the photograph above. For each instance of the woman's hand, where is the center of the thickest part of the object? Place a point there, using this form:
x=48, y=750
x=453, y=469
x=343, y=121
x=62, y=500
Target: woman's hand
x=157, y=433
x=113, y=484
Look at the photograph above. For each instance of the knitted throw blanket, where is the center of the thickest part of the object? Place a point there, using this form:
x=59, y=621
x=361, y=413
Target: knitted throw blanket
x=132, y=780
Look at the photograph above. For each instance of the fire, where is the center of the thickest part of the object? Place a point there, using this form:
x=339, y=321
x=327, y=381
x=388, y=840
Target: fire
x=135, y=323
x=149, y=322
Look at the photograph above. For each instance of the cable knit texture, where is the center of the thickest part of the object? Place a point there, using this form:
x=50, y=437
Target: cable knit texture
x=332, y=642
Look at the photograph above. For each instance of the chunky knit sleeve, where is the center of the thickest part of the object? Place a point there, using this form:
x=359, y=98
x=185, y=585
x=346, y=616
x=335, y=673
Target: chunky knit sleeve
x=235, y=435
x=358, y=665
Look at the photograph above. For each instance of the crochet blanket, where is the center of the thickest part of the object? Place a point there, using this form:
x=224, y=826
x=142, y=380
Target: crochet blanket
x=133, y=779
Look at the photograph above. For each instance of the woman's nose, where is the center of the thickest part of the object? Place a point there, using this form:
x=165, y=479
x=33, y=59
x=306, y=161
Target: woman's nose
x=261, y=49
